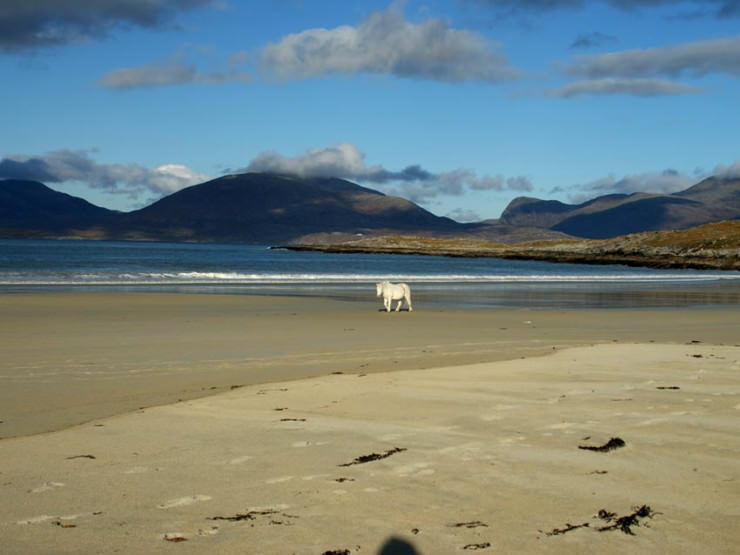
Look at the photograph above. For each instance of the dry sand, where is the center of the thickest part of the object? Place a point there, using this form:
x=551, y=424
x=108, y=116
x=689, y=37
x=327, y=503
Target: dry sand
x=482, y=444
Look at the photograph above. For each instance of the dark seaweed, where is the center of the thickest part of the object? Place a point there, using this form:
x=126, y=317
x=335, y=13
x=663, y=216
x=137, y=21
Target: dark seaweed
x=476, y=546
x=471, y=524
x=613, y=443
x=626, y=522
x=568, y=528
x=374, y=456
x=251, y=515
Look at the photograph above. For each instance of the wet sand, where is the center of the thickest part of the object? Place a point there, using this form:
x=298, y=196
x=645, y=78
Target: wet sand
x=328, y=425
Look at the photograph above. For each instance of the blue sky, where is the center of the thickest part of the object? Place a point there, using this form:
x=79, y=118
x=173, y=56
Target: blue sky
x=458, y=105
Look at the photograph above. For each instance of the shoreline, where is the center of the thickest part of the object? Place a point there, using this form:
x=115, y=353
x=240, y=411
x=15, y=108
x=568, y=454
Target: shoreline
x=70, y=358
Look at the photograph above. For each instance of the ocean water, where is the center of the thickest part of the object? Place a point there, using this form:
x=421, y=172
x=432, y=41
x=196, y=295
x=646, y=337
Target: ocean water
x=49, y=265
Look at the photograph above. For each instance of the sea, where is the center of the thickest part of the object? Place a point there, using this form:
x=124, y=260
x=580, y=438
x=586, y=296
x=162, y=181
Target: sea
x=47, y=266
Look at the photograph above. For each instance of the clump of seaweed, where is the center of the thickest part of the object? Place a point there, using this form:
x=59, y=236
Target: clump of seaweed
x=471, y=524
x=477, y=546
x=626, y=522
x=374, y=456
x=250, y=515
x=613, y=443
x=623, y=523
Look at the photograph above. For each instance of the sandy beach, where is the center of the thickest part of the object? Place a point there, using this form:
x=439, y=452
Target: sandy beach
x=158, y=423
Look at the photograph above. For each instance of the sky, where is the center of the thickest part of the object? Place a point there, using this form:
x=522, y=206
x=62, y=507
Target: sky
x=457, y=105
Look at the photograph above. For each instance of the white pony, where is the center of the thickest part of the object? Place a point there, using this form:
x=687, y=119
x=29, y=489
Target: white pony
x=394, y=292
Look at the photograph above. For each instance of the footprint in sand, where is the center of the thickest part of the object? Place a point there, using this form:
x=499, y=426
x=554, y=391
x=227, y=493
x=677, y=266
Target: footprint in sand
x=181, y=501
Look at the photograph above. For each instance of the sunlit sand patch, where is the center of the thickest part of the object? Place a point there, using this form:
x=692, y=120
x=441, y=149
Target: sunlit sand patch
x=315, y=476
x=240, y=460
x=181, y=501
x=275, y=507
x=136, y=470
x=390, y=437
x=561, y=426
x=299, y=444
x=416, y=469
x=491, y=417
x=35, y=519
x=47, y=486
x=278, y=479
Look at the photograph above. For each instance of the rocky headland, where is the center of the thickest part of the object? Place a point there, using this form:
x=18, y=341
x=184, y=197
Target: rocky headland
x=712, y=246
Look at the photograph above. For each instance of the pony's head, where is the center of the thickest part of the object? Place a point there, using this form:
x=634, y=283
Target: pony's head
x=378, y=289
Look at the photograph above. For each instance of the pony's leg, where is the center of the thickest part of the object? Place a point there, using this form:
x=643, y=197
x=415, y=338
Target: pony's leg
x=387, y=302
x=398, y=306
x=408, y=302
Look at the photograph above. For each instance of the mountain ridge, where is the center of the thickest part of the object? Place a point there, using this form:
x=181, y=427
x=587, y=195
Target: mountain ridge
x=275, y=208
x=712, y=199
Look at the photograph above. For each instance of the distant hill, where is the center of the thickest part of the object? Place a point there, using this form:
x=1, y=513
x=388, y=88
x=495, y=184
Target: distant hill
x=713, y=199
x=28, y=208
x=255, y=207
x=247, y=208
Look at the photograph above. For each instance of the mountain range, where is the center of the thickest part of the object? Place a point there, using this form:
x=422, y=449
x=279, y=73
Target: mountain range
x=710, y=200
x=271, y=208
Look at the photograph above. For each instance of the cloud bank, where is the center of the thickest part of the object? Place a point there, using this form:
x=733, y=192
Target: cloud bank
x=694, y=58
x=28, y=25
x=665, y=182
x=690, y=8
x=641, y=72
x=413, y=182
x=132, y=180
x=612, y=85
x=172, y=71
x=386, y=44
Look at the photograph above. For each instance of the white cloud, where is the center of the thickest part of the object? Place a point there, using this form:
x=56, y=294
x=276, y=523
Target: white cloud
x=665, y=182
x=341, y=160
x=413, y=182
x=729, y=172
x=60, y=166
x=386, y=44
x=464, y=215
